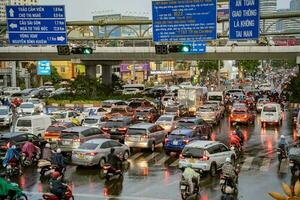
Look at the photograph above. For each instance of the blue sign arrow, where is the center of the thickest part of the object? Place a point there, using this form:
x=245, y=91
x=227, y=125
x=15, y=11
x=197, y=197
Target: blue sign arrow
x=36, y=25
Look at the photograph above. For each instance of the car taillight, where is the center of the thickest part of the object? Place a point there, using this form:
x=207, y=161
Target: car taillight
x=194, y=128
x=126, y=135
x=104, y=128
x=186, y=141
x=145, y=136
x=122, y=129
x=58, y=139
x=181, y=156
x=92, y=153
x=204, y=158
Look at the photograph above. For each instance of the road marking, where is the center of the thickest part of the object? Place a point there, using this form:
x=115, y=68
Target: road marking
x=135, y=156
x=247, y=163
x=162, y=160
x=175, y=163
x=151, y=156
x=265, y=165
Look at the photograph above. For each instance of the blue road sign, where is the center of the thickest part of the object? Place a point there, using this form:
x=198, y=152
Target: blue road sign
x=197, y=47
x=184, y=20
x=244, y=19
x=36, y=25
x=43, y=68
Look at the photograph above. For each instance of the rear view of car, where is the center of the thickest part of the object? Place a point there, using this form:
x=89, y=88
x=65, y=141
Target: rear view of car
x=241, y=116
x=208, y=114
x=53, y=132
x=177, y=140
x=117, y=127
x=271, y=114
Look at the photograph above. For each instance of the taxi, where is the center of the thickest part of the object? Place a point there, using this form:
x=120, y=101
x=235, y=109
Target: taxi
x=53, y=132
x=241, y=115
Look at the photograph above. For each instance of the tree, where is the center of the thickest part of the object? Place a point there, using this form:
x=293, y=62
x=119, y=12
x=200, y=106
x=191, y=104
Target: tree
x=207, y=66
x=293, y=89
x=54, y=77
x=283, y=63
x=249, y=66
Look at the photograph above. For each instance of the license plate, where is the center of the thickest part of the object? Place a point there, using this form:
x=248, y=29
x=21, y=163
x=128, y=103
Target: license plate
x=278, y=153
x=182, y=187
x=237, y=120
x=192, y=160
x=222, y=182
x=39, y=170
x=105, y=171
x=175, y=142
x=291, y=164
x=141, y=118
x=66, y=142
x=134, y=139
x=113, y=129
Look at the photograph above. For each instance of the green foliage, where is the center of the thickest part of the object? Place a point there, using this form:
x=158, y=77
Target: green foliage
x=249, y=66
x=283, y=63
x=54, y=77
x=207, y=66
x=293, y=89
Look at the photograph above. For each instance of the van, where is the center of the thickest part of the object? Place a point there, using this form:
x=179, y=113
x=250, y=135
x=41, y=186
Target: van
x=271, y=114
x=215, y=96
x=36, y=124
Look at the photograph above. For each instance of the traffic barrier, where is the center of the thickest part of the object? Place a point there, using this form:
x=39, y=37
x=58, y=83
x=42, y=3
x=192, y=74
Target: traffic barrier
x=54, y=104
x=294, y=105
x=69, y=105
x=87, y=105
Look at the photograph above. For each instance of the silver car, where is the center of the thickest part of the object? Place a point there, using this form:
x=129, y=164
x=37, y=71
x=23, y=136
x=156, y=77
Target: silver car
x=145, y=135
x=95, y=152
x=94, y=121
x=208, y=113
x=167, y=122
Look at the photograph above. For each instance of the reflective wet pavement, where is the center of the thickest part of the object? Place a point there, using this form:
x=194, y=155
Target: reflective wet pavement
x=156, y=176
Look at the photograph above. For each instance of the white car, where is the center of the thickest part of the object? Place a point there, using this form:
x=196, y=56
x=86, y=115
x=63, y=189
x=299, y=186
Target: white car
x=94, y=121
x=167, y=122
x=219, y=106
x=39, y=106
x=26, y=108
x=260, y=103
x=94, y=111
x=8, y=91
x=5, y=116
x=271, y=114
x=208, y=113
x=66, y=116
x=208, y=156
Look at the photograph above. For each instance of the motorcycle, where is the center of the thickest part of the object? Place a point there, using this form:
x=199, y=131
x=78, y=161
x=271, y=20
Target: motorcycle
x=50, y=196
x=295, y=168
x=12, y=169
x=45, y=168
x=14, y=192
x=228, y=186
x=110, y=172
x=25, y=162
x=281, y=153
x=185, y=189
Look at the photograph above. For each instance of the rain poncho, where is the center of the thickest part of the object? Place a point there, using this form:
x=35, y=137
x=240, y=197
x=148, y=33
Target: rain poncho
x=228, y=170
x=189, y=174
x=5, y=187
x=10, y=154
x=29, y=149
x=47, y=154
x=59, y=160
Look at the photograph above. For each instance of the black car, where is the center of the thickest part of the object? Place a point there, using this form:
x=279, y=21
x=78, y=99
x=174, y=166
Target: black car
x=197, y=124
x=18, y=139
x=156, y=92
x=40, y=94
x=117, y=127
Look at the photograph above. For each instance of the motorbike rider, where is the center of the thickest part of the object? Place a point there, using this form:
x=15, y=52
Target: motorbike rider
x=192, y=177
x=59, y=160
x=229, y=171
x=114, y=160
x=240, y=134
x=30, y=149
x=282, y=144
x=11, y=155
x=47, y=152
x=57, y=187
x=235, y=140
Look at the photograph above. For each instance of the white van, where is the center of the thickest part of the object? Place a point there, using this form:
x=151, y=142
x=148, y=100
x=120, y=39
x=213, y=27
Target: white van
x=36, y=124
x=271, y=114
x=215, y=96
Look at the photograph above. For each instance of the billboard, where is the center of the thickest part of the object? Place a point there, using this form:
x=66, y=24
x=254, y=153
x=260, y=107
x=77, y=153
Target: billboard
x=43, y=68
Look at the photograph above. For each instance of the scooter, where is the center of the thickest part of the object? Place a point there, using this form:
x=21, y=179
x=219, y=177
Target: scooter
x=45, y=169
x=25, y=162
x=228, y=188
x=50, y=196
x=12, y=169
x=14, y=193
x=109, y=172
x=281, y=153
x=185, y=189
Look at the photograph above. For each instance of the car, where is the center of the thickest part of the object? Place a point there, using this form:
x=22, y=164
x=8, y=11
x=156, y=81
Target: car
x=117, y=127
x=178, y=110
x=39, y=106
x=26, y=108
x=39, y=93
x=66, y=116
x=52, y=133
x=9, y=138
x=95, y=152
x=156, y=92
x=241, y=116
x=145, y=135
x=7, y=91
x=198, y=124
x=168, y=122
x=72, y=138
x=6, y=116
x=94, y=121
x=146, y=114
x=207, y=156
x=94, y=111
x=120, y=111
x=271, y=114
x=35, y=124
x=209, y=113
x=108, y=104
x=130, y=91
x=235, y=92
x=178, y=138
x=135, y=103
x=220, y=107
x=168, y=100
x=260, y=103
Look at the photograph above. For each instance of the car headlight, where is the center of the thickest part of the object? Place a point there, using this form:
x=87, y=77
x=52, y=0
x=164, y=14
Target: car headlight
x=6, y=119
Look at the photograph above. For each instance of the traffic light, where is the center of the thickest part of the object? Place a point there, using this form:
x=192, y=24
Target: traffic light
x=63, y=50
x=185, y=48
x=180, y=48
x=82, y=50
x=161, y=49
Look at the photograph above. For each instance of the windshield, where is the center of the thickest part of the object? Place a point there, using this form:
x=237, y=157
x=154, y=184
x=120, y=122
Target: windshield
x=90, y=121
x=59, y=115
x=171, y=109
x=239, y=112
x=144, y=112
x=118, y=110
x=88, y=146
x=193, y=152
x=205, y=109
x=3, y=111
x=24, y=123
x=116, y=123
x=27, y=105
x=165, y=119
x=135, y=104
x=263, y=100
x=34, y=101
x=136, y=131
x=69, y=135
x=269, y=109
x=177, y=136
x=55, y=128
x=186, y=123
x=215, y=98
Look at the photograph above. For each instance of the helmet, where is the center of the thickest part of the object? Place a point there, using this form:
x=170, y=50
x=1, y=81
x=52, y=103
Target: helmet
x=228, y=159
x=282, y=137
x=55, y=174
x=112, y=150
x=47, y=145
x=13, y=147
x=233, y=132
x=58, y=151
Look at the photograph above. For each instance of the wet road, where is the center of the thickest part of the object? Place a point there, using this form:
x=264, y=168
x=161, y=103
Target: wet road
x=156, y=176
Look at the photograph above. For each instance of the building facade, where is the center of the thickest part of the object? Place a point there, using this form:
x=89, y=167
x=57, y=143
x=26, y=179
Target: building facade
x=267, y=7
x=290, y=24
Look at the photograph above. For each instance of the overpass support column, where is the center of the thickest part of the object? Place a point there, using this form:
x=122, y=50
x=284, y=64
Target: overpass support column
x=91, y=71
x=106, y=74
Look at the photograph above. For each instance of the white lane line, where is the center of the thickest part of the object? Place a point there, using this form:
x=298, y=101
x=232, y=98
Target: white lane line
x=265, y=166
x=175, y=163
x=162, y=161
x=135, y=156
x=151, y=156
x=247, y=163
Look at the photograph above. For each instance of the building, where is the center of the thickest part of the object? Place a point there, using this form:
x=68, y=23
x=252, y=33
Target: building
x=267, y=7
x=289, y=24
x=3, y=3
x=113, y=31
x=68, y=70
x=295, y=5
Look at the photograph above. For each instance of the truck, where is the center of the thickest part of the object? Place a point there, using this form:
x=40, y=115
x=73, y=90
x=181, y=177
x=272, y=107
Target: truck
x=192, y=97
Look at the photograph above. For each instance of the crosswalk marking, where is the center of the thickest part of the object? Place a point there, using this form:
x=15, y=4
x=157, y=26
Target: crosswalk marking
x=175, y=163
x=151, y=156
x=265, y=164
x=247, y=163
x=162, y=160
x=135, y=156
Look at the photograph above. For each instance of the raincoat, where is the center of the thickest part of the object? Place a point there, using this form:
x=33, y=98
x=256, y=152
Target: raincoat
x=10, y=154
x=5, y=187
x=59, y=160
x=235, y=140
x=29, y=148
x=189, y=174
x=47, y=154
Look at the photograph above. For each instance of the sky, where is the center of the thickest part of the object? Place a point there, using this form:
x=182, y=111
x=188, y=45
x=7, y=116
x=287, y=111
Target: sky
x=85, y=9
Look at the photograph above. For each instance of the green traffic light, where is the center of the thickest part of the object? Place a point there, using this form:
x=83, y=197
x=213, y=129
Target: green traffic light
x=185, y=48
x=87, y=51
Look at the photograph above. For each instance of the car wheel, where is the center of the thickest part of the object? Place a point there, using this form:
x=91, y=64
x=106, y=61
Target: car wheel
x=102, y=162
x=126, y=155
x=152, y=148
x=213, y=170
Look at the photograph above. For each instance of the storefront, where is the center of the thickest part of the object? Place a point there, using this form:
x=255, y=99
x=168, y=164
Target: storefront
x=135, y=73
